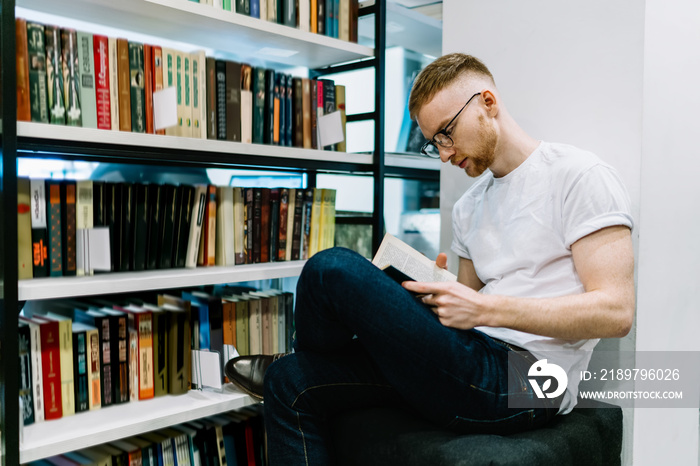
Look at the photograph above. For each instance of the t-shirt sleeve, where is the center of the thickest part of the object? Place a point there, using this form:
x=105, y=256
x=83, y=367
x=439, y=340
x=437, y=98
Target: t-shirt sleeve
x=596, y=200
x=458, y=247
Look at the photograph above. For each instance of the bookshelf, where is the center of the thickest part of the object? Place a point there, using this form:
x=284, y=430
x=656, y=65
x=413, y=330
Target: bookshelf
x=196, y=26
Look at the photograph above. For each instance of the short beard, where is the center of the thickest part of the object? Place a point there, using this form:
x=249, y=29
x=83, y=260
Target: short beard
x=484, y=153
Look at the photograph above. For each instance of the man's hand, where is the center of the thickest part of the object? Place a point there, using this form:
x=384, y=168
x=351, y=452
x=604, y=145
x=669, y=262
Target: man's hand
x=455, y=304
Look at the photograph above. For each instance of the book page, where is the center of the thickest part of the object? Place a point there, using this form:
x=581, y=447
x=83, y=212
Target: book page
x=395, y=252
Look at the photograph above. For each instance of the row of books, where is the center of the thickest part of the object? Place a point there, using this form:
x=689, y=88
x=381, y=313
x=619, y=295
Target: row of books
x=65, y=227
x=333, y=18
x=229, y=438
x=80, y=355
x=73, y=78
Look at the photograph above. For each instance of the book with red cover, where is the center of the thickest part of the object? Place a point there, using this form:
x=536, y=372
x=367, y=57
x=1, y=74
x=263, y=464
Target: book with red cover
x=51, y=367
x=148, y=86
x=100, y=45
x=22, y=64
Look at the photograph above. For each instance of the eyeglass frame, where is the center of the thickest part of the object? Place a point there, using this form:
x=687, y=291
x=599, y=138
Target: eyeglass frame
x=443, y=131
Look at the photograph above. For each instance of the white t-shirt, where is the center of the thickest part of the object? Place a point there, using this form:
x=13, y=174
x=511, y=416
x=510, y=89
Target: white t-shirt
x=518, y=231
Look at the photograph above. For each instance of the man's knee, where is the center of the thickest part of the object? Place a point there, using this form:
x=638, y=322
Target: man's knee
x=334, y=261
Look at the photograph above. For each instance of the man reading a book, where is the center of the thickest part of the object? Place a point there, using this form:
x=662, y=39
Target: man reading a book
x=545, y=270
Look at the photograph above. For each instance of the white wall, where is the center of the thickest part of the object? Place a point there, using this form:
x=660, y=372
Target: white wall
x=669, y=250
x=568, y=72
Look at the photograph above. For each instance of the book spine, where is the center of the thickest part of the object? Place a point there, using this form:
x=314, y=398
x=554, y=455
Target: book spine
x=68, y=227
x=315, y=234
x=71, y=78
x=121, y=392
x=87, y=79
x=113, y=83
x=53, y=210
x=155, y=222
x=24, y=229
x=100, y=46
x=160, y=353
x=187, y=204
x=148, y=87
x=66, y=354
x=187, y=93
x=314, y=114
x=306, y=223
x=340, y=105
x=36, y=48
x=274, y=223
x=128, y=220
x=221, y=117
x=24, y=112
x=54, y=73
x=233, y=101
x=140, y=243
x=199, y=92
x=211, y=98
x=210, y=239
x=25, y=374
x=84, y=211
x=106, y=378
x=92, y=342
x=289, y=232
x=298, y=225
x=277, y=112
x=238, y=226
x=157, y=66
x=124, y=84
x=167, y=226
x=80, y=376
x=246, y=103
x=306, y=112
x=249, y=214
x=51, y=367
x=259, y=105
x=284, y=206
x=137, y=88
x=37, y=372
x=268, y=122
x=257, y=224
x=145, y=365
x=196, y=225
x=298, y=122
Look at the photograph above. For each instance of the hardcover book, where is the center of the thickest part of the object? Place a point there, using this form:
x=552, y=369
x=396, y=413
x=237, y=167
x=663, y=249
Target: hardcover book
x=259, y=105
x=238, y=226
x=68, y=226
x=24, y=229
x=86, y=64
x=211, y=87
x=114, y=83
x=54, y=215
x=80, y=377
x=25, y=373
x=51, y=368
x=137, y=88
x=54, y=74
x=124, y=84
x=221, y=117
x=197, y=219
x=71, y=78
x=233, y=101
x=84, y=206
x=246, y=103
x=22, y=68
x=36, y=48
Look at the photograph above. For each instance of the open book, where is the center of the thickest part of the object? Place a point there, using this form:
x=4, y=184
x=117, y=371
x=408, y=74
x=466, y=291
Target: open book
x=401, y=262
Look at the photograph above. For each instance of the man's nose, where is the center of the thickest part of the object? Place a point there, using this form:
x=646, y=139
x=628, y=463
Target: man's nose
x=446, y=153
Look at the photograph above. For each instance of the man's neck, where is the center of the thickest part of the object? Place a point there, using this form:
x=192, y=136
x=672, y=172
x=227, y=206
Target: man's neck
x=513, y=148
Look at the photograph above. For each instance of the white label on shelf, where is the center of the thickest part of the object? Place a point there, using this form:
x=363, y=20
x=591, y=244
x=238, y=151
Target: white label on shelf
x=330, y=129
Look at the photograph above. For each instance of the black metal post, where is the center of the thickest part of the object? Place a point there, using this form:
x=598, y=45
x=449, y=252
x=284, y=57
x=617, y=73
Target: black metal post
x=379, y=104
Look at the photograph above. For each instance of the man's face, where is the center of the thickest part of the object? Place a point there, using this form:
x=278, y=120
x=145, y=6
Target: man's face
x=473, y=133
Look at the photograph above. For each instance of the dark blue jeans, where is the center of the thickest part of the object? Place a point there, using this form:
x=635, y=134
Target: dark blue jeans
x=361, y=341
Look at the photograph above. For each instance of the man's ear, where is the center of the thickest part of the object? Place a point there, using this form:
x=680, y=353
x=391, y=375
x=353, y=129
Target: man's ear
x=488, y=99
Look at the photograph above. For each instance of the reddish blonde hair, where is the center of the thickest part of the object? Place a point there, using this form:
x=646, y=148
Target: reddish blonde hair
x=440, y=74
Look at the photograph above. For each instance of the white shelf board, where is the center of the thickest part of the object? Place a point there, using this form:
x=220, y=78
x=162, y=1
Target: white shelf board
x=49, y=438
x=121, y=282
x=411, y=161
x=98, y=136
x=208, y=27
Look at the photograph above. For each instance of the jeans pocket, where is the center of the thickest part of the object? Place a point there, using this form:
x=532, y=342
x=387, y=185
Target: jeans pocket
x=511, y=423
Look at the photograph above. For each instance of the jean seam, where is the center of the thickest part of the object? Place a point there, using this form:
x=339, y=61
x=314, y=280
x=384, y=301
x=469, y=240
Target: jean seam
x=337, y=385
x=303, y=439
x=530, y=413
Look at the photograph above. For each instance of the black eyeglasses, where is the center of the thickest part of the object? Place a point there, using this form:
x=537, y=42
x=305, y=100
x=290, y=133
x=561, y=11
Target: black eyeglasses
x=442, y=137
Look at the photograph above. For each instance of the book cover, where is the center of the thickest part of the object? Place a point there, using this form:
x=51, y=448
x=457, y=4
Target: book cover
x=99, y=217
x=277, y=112
x=298, y=224
x=243, y=7
x=314, y=113
x=340, y=105
x=101, y=322
x=209, y=233
x=274, y=223
x=255, y=325
x=282, y=85
x=298, y=112
x=22, y=68
x=179, y=346
x=344, y=20
x=54, y=215
x=114, y=83
x=221, y=117
x=80, y=376
x=283, y=215
x=36, y=367
x=242, y=325
x=124, y=84
x=304, y=16
x=233, y=101
x=168, y=225
x=51, y=368
x=306, y=223
x=24, y=230
x=259, y=105
x=26, y=393
x=289, y=230
x=224, y=226
x=229, y=331
x=148, y=81
x=249, y=220
x=156, y=208
x=71, y=78
x=354, y=15
x=238, y=226
x=54, y=74
x=321, y=17
x=212, y=121
x=84, y=206
x=246, y=103
x=141, y=320
x=265, y=211
x=182, y=231
x=38, y=84
x=269, y=112
x=313, y=13
x=128, y=220
x=306, y=112
x=329, y=218
x=93, y=364
x=199, y=91
x=119, y=350
x=65, y=347
x=68, y=227
x=160, y=349
x=197, y=219
x=86, y=64
x=315, y=231
x=157, y=57
x=170, y=79
x=140, y=225
x=137, y=88
x=113, y=211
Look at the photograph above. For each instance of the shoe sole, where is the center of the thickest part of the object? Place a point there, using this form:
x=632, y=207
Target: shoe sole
x=246, y=391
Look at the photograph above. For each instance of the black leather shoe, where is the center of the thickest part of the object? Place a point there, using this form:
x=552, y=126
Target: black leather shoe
x=248, y=372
